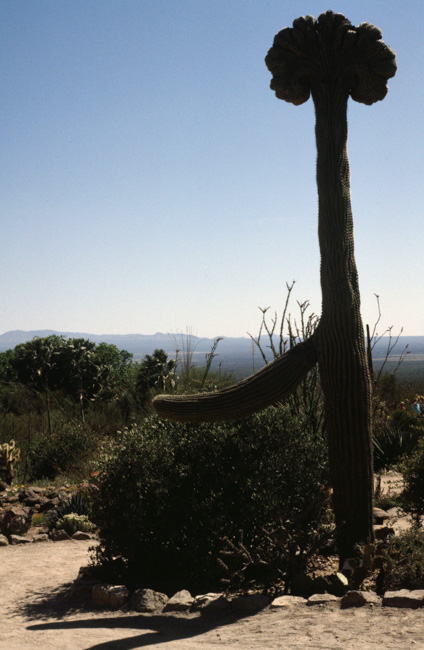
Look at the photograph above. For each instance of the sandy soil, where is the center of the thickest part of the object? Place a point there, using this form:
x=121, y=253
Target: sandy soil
x=35, y=612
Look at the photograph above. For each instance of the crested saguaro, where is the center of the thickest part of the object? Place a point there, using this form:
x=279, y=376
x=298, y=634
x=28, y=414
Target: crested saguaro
x=330, y=60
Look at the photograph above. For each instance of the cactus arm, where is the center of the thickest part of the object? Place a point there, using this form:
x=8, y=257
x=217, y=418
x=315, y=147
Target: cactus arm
x=268, y=386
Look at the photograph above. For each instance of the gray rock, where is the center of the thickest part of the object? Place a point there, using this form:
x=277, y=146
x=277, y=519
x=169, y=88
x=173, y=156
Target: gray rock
x=19, y=539
x=50, y=504
x=338, y=584
x=40, y=537
x=111, y=596
x=180, y=602
x=379, y=515
x=33, y=496
x=4, y=541
x=37, y=490
x=404, y=598
x=359, y=599
x=287, y=601
x=250, y=602
x=59, y=535
x=80, y=534
x=211, y=602
x=147, y=600
x=382, y=531
x=53, y=503
x=322, y=599
x=394, y=512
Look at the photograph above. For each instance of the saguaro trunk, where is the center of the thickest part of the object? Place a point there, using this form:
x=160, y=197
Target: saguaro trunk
x=339, y=338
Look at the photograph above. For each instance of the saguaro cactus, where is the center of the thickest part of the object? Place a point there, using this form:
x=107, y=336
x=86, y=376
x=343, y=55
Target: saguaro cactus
x=330, y=60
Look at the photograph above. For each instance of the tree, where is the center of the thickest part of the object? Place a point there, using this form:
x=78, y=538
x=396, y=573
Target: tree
x=156, y=372
x=331, y=60
x=77, y=367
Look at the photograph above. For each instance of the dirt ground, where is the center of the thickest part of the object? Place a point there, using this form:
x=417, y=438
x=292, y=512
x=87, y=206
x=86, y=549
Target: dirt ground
x=35, y=612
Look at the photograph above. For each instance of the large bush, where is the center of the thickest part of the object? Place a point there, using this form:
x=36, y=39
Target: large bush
x=66, y=451
x=170, y=493
x=413, y=474
x=403, y=562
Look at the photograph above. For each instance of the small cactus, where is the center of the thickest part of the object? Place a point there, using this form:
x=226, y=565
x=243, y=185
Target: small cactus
x=9, y=455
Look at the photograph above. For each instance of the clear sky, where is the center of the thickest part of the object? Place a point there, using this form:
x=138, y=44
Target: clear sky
x=151, y=181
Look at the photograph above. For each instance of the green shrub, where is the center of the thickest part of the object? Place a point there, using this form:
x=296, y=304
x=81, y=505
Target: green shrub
x=170, y=493
x=396, y=438
x=413, y=474
x=66, y=451
x=403, y=563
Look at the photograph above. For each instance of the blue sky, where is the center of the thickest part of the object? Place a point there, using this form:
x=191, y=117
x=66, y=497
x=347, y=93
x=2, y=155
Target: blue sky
x=151, y=181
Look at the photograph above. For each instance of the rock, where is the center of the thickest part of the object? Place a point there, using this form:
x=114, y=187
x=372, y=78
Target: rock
x=40, y=537
x=322, y=599
x=380, y=515
x=80, y=534
x=81, y=591
x=287, y=601
x=48, y=505
x=4, y=541
x=14, y=519
x=404, y=598
x=36, y=500
x=359, y=599
x=210, y=602
x=54, y=502
x=180, y=602
x=33, y=496
x=19, y=539
x=111, y=596
x=63, y=495
x=86, y=573
x=37, y=490
x=382, y=531
x=394, y=512
x=250, y=602
x=147, y=600
x=59, y=535
x=337, y=584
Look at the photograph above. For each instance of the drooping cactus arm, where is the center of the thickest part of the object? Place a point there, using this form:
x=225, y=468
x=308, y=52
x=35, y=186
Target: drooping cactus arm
x=268, y=386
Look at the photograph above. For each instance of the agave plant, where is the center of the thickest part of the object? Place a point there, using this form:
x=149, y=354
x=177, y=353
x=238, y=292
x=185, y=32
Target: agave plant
x=77, y=505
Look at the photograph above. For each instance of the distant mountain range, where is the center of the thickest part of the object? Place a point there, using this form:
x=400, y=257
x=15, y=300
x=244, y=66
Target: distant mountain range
x=235, y=354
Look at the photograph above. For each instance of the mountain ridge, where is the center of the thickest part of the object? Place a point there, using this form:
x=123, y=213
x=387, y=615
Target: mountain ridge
x=12, y=338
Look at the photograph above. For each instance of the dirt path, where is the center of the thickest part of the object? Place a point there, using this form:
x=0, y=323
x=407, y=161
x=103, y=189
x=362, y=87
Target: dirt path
x=35, y=613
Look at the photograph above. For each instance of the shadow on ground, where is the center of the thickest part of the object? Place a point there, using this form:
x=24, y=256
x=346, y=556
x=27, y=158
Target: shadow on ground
x=55, y=604
x=157, y=628
x=160, y=628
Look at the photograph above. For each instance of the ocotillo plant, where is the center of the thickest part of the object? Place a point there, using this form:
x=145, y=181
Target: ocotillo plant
x=329, y=59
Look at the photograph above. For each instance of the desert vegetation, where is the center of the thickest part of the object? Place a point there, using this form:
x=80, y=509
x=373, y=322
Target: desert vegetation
x=210, y=506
